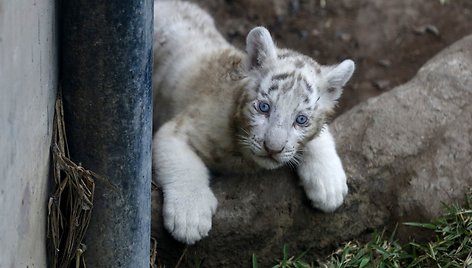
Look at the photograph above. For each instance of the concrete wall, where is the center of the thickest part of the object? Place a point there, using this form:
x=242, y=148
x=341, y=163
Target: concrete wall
x=28, y=81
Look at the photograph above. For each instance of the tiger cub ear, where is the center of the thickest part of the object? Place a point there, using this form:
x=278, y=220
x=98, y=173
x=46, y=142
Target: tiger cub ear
x=336, y=77
x=261, y=50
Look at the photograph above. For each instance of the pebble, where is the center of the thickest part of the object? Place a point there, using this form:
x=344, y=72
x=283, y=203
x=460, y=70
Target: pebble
x=345, y=37
x=431, y=29
x=382, y=84
x=384, y=63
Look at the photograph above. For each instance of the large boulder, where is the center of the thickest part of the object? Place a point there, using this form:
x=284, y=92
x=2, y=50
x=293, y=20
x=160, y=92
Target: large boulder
x=405, y=152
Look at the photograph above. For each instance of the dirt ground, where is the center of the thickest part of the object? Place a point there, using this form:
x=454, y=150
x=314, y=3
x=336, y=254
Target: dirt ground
x=388, y=39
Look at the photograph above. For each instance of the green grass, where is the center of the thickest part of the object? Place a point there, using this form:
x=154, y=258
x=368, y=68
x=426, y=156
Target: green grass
x=451, y=247
x=287, y=261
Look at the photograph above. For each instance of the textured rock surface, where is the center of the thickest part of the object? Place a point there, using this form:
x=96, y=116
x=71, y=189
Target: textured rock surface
x=405, y=152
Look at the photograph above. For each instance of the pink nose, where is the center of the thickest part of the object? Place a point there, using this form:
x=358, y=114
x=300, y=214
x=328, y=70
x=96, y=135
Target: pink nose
x=272, y=151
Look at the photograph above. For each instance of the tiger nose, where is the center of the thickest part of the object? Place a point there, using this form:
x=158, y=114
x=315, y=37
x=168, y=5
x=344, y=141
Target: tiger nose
x=272, y=150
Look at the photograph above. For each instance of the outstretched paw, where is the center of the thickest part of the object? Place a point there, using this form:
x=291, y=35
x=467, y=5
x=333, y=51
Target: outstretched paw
x=188, y=214
x=327, y=189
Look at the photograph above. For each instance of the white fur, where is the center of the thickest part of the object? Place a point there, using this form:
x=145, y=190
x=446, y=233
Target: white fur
x=189, y=203
x=204, y=88
x=337, y=76
x=260, y=48
x=321, y=173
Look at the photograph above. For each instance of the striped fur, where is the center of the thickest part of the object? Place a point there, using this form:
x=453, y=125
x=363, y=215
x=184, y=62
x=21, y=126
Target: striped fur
x=207, y=112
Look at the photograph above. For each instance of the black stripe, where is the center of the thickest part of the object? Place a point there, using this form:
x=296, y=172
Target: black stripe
x=285, y=55
x=299, y=64
x=308, y=86
x=273, y=87
x=280, y=76
x=289, y=85
x=258, y=88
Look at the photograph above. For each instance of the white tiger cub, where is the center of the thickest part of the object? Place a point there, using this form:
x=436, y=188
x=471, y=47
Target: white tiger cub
x=217, y=107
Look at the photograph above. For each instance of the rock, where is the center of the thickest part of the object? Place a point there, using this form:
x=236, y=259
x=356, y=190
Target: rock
x=344, y=37
x=410, y=148
x=384, y=63
x=382, y=84
x=405, y=152
x=431, y=29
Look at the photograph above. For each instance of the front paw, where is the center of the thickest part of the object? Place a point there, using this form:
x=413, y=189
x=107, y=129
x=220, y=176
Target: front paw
x=325, y=188
x=187, y=213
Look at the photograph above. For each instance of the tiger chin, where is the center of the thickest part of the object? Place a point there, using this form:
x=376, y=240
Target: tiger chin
x=216, y=107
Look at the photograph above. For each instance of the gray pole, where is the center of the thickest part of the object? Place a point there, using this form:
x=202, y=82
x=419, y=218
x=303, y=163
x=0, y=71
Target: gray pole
x=106, y=78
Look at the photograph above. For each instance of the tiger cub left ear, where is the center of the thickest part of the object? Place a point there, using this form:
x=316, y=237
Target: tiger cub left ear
x=336, y=77
x=260, y=47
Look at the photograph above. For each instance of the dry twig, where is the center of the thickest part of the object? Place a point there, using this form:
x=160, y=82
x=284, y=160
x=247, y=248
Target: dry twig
x=71, y=203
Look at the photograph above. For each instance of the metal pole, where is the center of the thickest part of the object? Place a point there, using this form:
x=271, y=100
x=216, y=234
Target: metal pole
x=106, y=78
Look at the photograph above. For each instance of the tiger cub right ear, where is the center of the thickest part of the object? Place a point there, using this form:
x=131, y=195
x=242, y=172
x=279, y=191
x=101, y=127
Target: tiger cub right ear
x=260, y=48
x=336, y=77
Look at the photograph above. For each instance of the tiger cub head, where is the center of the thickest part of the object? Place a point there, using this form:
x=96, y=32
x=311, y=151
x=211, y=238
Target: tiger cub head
x=286, y=102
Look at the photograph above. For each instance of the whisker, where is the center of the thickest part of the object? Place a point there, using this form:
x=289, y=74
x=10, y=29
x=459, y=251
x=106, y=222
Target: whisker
x=241, y=137
x=295, y=160
x=245, y=131
x=256, y=144
x=291, y=165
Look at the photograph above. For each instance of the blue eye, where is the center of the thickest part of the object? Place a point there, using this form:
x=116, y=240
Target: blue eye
x=301, y=120
x=264, y=107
